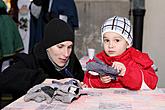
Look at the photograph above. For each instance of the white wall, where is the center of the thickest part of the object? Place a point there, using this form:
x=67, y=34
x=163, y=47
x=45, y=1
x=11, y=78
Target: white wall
x=154, y=35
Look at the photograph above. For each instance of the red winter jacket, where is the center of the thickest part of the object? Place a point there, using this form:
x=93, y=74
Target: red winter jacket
x=136, y=63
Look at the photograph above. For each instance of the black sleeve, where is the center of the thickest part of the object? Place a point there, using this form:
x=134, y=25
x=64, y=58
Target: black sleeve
x=21, y=76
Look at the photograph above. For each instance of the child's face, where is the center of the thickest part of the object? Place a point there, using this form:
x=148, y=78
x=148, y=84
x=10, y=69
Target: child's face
x=114, y=44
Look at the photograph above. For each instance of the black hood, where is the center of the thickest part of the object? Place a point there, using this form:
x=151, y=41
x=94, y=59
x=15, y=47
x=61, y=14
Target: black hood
x=57, y=31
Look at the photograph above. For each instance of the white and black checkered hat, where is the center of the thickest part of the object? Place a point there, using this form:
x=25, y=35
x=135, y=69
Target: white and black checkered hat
x=120, y=25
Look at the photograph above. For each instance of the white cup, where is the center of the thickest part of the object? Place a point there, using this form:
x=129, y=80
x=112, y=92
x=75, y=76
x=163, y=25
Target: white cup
x=91, y=53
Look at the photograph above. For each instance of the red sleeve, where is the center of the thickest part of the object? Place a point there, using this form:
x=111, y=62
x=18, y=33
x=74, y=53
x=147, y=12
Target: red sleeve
x=150, y=77
x=145, y=62
x=132, y=78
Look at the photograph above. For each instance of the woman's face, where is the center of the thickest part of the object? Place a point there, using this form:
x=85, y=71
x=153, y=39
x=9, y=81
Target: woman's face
x=114, y=44
x=60, y=52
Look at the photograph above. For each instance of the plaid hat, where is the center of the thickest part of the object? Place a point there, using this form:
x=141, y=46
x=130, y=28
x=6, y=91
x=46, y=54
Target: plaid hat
x=120, y=25
x=57, y=31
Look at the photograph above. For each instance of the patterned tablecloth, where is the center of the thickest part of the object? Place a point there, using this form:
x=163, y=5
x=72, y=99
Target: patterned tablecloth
x=102, y=99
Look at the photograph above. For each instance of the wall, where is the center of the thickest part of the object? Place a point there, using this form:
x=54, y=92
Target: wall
x=154, y=35
x=92, y=13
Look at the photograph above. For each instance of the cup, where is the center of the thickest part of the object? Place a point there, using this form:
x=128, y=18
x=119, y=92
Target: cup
x=91, y=53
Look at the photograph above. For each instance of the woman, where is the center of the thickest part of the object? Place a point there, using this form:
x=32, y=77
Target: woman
x=53, y=58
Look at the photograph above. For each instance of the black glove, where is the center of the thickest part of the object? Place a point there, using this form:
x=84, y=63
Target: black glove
x=38, y=2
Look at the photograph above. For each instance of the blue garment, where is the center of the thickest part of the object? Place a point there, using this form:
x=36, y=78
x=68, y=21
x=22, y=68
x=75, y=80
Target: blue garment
x=59, y=7
x=36, y=31
x=68, y=8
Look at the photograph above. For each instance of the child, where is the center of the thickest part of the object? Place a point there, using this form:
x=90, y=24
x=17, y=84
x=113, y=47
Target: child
x=133, y=66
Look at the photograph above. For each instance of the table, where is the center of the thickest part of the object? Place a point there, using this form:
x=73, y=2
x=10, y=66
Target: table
x=101, y=99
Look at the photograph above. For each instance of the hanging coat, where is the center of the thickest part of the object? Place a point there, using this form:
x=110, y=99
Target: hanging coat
x=10, y=39
x=59, y=7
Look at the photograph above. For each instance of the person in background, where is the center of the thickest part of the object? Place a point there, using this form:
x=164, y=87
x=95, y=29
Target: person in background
x=52, y=57
x=42, y=11
x=13, y=12
x=10, y=39
x=133, y=67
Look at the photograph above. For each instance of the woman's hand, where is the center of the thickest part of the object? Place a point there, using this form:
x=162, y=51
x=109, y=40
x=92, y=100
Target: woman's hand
x=120, y=68
x=83, y=85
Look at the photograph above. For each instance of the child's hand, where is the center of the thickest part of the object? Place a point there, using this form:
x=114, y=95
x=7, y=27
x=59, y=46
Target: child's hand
x=105, y=78
x=120, y=68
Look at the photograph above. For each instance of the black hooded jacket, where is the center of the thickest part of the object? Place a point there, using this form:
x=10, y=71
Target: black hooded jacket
x=32, y=69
